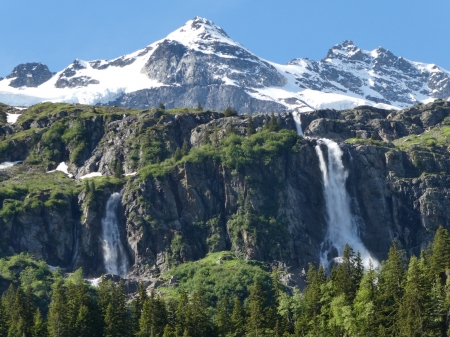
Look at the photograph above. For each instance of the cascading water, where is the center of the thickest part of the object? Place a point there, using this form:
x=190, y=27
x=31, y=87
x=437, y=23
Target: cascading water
x=298, y=123
x=113, y=251
x=342, y=225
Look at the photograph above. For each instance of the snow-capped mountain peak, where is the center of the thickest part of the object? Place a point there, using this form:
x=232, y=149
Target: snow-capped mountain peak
x=200, y=62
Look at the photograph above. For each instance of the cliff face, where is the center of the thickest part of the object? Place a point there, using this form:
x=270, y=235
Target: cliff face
x=204, y=184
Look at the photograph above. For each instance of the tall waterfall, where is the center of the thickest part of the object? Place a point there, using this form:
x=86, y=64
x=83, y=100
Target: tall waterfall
x=342, y=225
x=113, y=251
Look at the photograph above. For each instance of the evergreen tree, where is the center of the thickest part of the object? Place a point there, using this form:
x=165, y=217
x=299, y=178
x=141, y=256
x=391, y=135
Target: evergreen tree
x=182, y=314
x=40, y=326
x=145, y=321
x=347, y=276
x=229, y=112
x=205, y=137
x=84, y=326
x=87, y=188
x=390, y=283
x=3, y=320
x=364, y=305
x=161, y=106
x=177, y=154
x=251, y=128
x=118, y=169
x=137, y=308
x=309, y=319
x=168, y=331
x=199, y=106
x=440, y=258
x=273, y=124
x=57, y=315
x=223, y=319
x=185, y=148
x=256, y=320
x=238, y=318
x=200, y=325
x=411, y=311
x=436, y=310
x=92, y=188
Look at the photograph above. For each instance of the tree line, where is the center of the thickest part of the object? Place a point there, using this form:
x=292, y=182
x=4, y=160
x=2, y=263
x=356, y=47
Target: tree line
x=401, y=298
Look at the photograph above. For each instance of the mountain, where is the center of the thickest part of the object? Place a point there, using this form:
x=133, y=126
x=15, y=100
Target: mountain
x=199, y=62
x=176, y=185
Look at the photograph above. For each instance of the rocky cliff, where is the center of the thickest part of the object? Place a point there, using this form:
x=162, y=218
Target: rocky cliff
x=195, y=182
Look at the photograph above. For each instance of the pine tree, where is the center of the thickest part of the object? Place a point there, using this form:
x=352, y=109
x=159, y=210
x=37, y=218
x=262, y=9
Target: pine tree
x=390, y=283
x=238, y=318
x=223, y=316
x=273, y=124
x=161, y=106
x=411, y=311
x=177, y=154
x=200, y=325
x=440, y=258
x=315, y=280
x=137, y=307
x=183, y=313
x=229, y=112
x=347, y=276
x=118, y=169
x=92, y=188
x=256, y=320
x=199, y=106
x=168, y=331
x=251, y=128
x=87, y=188
x=84, y=326
x=4, y=318
x=40, y=326
x=145, y=321
x=185, y=148
x=364, y=305
x=57, y=316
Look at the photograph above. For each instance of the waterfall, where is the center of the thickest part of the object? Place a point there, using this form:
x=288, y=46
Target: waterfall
x=342, y=225
x=113, y=250
x=298, y=123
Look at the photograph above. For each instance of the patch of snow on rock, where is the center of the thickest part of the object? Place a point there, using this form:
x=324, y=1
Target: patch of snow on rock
x=62, y=167
x=91, y=175
x=12, y=118
x=8, y=164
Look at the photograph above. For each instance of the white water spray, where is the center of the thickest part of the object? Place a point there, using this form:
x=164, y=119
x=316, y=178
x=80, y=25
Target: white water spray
x=342, y=225
x=298, y=123
x=113, y=251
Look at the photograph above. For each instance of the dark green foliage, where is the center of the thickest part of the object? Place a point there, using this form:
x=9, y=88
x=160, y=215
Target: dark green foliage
x=185, y=148
x=229, y=112
x=118, y=169
x=273, y=124
x=399, y=299
x=161, y=106
x=199, y=106
x=251, y=128
x=39, y=325
x=177, y=155
x=238, y=318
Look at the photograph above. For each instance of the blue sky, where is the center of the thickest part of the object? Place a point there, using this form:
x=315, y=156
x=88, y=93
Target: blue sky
x=56, y=32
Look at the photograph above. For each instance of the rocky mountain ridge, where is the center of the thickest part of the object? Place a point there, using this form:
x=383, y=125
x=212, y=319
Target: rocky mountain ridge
x=195, y=182
x=199, y=62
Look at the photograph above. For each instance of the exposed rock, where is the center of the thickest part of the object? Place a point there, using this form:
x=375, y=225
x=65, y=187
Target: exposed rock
x=29, y=75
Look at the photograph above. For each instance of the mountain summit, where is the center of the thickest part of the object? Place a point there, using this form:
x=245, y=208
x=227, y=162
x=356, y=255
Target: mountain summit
x=200, y=62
